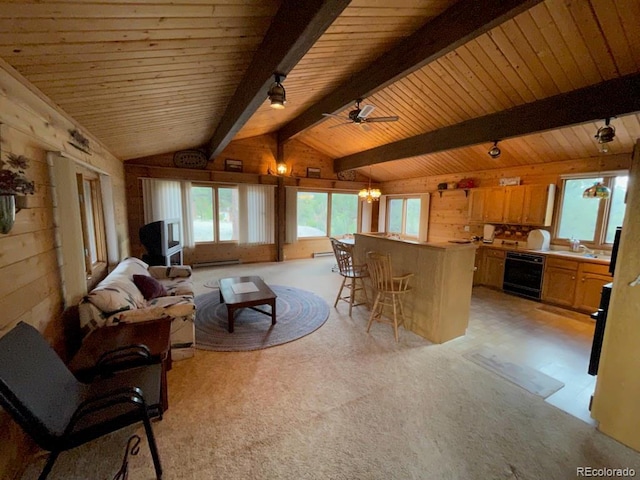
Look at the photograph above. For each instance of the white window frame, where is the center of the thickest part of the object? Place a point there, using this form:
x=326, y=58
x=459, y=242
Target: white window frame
x=604, y=209
x=403, y=230
x=216, y=211
x=329, y=193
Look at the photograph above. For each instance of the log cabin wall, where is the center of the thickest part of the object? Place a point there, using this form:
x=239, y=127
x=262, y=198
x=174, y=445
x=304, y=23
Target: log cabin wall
x=258, y=155
x=448, y=213
x=30, y=289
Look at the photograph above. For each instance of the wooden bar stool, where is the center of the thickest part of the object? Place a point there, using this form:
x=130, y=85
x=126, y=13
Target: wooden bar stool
x=349, y=271
x=389, y=290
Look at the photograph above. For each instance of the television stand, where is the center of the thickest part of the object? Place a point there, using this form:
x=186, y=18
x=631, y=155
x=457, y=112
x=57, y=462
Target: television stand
x=173, y=257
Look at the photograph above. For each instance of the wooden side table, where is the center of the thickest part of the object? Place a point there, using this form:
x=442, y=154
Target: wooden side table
x=154, y=334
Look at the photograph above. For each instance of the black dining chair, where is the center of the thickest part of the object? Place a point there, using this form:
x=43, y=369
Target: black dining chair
x=58, y=411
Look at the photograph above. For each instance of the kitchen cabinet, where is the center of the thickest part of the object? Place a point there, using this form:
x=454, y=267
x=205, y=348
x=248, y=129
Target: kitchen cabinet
x=574, y=284
x=538, y=205
x=493, y=268
x=476, y=205
x=516, y=205
x=589, y=282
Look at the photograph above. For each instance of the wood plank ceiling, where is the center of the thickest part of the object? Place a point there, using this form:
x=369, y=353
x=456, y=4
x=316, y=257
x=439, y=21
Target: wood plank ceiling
x=155, y=76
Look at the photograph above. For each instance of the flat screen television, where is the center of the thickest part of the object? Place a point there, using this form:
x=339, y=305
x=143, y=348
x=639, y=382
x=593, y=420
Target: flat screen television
x=160, y=237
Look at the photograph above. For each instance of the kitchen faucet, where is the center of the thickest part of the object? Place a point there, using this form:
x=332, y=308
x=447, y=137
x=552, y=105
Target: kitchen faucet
x=587, y=250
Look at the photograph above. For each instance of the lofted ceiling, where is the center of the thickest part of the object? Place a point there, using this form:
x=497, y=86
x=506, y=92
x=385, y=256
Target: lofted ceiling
x=155, y=76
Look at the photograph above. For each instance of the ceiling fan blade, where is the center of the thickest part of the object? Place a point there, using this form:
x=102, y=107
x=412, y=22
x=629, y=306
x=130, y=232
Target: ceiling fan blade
x=366, y=111
x=340, y=124
x=383, y=119
x=334, y=115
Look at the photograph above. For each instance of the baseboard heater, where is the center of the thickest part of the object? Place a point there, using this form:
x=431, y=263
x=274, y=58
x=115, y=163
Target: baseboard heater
x=322, y=254
x=216, y=264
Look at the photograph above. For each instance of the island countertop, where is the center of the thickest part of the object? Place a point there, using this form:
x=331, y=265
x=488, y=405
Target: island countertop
x=439, y=304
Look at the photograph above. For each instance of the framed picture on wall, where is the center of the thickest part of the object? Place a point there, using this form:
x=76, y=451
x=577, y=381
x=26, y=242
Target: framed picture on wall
x=231, y=165
x=313, y=172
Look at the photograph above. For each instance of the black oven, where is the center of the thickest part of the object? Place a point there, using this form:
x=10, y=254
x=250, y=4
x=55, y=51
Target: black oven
x=523, y=274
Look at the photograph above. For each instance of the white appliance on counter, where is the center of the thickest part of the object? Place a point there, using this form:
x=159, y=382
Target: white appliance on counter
x=489, y=233
x=538, y=240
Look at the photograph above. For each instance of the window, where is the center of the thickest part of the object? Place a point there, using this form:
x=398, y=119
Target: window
x=590, y=220
x=92, y=218
x=324, y=214
x=403, y=216
x=215, y=213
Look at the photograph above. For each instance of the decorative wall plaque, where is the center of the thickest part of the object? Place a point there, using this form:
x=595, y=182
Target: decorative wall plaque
x=190, y=159
x=231, y=165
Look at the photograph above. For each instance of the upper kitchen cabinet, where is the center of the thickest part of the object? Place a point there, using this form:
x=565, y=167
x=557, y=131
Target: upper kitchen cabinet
x=517, y=205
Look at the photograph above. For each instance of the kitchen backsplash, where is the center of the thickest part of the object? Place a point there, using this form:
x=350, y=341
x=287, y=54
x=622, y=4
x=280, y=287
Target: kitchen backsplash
x=513, y=232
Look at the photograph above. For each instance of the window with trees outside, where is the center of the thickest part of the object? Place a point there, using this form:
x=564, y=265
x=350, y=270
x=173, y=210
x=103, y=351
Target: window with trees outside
x=215, y=213
x=590, y=220
x=403, y=216
x=93, y=230
x=326, y=214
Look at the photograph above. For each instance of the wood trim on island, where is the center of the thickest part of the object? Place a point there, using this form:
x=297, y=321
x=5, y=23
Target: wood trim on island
x=438, y=306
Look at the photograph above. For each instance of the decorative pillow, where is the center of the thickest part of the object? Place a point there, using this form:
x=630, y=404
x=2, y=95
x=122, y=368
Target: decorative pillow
x=149, y=286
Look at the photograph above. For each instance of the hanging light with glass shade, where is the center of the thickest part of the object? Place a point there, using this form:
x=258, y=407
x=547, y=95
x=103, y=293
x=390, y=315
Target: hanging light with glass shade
x=598, y=189
x=277, y=94
x=370, y=194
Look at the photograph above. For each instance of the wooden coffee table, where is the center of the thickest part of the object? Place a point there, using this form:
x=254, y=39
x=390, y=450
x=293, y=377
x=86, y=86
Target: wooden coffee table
x=260, y=294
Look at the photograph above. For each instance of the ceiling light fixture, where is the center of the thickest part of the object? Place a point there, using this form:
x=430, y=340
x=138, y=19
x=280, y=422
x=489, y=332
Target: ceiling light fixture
x=597, y=190
x=605, y=135
x=277, y=94
x=494, y=152
x=370, y=194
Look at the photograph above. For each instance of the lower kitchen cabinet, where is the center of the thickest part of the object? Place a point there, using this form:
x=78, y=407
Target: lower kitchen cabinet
x=493, y=268
x=574, y=284
x=591, y=278
x=559, y=285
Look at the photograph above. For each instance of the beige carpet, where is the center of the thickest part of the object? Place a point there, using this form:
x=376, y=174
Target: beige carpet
x=344, y=404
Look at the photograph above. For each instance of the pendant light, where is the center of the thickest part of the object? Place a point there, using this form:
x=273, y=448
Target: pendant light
x=605, y=135
x=494, y=152
x=277, y=94
x=370, y=194
x=597, y=190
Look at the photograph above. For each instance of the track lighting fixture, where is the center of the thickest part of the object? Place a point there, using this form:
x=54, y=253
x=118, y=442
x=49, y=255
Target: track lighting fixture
x=605, y=135
x=494, y=152
x=277, y=94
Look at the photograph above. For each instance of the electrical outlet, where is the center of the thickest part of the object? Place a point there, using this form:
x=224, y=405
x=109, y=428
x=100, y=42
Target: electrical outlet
x=466, y=228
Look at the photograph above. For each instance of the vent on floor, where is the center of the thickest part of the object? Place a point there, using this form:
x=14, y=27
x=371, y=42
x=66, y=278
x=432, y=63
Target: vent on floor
x=216, y=264
x=322, y=254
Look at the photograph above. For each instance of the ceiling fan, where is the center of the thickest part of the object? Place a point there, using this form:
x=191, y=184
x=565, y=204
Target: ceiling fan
x=360, y=116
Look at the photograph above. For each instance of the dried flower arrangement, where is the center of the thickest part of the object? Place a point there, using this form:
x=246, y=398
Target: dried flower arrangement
x=12, y=176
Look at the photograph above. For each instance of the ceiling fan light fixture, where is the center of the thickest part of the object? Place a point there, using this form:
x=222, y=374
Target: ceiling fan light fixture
x=494, y=152
x=277, y=94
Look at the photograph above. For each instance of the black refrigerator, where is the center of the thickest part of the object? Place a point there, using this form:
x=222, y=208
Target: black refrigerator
x=603, y=309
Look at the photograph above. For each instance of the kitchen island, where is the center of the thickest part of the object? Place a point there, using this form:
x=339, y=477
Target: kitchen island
x=438, y=306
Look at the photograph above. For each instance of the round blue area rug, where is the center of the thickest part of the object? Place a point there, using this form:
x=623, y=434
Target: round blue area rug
x=298, y=313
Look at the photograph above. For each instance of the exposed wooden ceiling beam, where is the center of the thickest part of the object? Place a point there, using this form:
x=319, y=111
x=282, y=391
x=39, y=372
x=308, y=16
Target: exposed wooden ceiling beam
x=460, y=23
x=295, y=28
x=613, y=97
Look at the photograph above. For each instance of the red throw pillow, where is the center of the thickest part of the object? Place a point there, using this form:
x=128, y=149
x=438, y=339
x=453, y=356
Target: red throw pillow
x=149, y=287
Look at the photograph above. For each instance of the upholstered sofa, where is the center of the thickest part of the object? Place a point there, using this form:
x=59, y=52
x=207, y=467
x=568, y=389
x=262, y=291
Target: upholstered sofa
x=136, y=292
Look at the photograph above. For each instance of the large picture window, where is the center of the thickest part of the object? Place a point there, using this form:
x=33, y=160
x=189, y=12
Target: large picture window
x=590, y=220
x=326, y=214
x=215, y=213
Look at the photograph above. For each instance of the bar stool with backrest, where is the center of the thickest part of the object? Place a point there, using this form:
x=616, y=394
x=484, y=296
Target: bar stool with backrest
x=349, y=271
x=389, y=290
